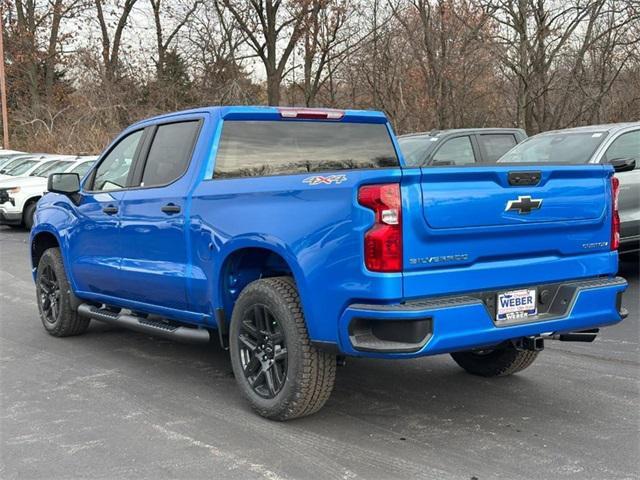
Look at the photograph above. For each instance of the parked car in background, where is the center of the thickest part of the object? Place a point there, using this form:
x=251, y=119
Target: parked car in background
x=458, y=147
x=617, y=144
x=24, y=165
x=19, y=195
x=9, y=161
x=8, y=155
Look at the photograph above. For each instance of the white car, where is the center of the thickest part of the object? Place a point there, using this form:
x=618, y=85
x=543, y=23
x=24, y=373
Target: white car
x=7, y=156
x=19, y=195
x=23, y=166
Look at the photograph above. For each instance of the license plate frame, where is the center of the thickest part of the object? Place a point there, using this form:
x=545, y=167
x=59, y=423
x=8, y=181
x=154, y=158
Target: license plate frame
x=516, y=305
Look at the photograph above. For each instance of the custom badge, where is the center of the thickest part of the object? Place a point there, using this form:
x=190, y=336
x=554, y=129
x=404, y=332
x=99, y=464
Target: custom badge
x=322, y=180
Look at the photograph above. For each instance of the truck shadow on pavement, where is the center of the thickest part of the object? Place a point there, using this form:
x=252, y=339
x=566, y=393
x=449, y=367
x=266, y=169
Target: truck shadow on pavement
x=402, y=398
x=430, y=392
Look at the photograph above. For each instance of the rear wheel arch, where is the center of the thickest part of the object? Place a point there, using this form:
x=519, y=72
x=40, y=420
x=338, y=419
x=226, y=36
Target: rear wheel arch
x=246, y=264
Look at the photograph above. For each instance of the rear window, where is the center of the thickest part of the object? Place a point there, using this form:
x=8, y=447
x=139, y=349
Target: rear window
x=262, y=148
x=556, y=148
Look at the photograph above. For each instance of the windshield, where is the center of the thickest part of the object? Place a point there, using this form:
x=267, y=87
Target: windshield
x=82, y=168
x=416, y=149
x=21, y=168
x=558, y=147
x=43, y=170
x=13, y=163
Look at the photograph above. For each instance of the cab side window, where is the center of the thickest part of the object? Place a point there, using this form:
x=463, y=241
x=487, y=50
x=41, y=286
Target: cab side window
x=626, y=145
x=457, y=151
x=170, y=153
x=496, y=145
x=113, y=171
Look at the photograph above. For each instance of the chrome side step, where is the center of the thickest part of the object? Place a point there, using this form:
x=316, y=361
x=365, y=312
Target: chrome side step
x=146, y=325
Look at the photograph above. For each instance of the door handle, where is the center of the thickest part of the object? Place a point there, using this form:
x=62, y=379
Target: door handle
x=110, y=209
x=171, y=208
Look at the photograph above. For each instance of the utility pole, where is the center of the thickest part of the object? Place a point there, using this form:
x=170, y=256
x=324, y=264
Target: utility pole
x=3, y=86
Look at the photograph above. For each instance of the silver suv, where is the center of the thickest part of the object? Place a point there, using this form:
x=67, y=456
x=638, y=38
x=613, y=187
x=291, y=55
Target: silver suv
x=617, y=144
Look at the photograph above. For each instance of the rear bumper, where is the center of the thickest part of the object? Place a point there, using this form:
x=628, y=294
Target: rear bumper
x=447, y=324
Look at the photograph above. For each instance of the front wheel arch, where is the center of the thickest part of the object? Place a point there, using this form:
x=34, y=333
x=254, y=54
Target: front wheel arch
x=41, y=242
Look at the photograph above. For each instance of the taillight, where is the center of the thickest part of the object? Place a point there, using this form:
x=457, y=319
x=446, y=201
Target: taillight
x=383, y=242
x=615, y=216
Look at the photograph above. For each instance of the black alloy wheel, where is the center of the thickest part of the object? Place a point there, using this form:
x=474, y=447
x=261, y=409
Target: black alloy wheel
x=263, y=351
x=49, y=294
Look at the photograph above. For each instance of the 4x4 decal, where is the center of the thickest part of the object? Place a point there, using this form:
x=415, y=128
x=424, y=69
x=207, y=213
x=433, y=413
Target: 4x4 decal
x=322, y=180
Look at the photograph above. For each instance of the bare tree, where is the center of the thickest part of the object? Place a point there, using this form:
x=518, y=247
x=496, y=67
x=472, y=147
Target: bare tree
x=539, y=64
x=111, y=45
x=325, y=41
x=179, y=16
x=37, y=33
x=268, y=25
x=535, y=36
x=449, y=45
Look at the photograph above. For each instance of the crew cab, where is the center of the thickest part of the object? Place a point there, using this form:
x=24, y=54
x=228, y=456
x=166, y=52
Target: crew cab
x=459, y=146
x=297, y=237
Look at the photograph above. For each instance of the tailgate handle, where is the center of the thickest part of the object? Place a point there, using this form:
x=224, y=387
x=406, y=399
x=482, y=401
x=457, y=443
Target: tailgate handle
x=524, y=178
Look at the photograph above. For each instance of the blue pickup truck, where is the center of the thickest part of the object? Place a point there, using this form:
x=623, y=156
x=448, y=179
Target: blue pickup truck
x=297, y=237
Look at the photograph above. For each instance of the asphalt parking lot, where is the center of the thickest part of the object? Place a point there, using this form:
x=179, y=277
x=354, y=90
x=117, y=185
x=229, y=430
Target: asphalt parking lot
x=117, y=404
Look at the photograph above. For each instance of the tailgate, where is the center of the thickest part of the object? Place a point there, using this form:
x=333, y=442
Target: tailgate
x=473, y=228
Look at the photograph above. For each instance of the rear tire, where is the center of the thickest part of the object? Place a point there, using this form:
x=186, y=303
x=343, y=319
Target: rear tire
x=56, y=301
x=498, y=362
x=27, y=216
x=278, y=370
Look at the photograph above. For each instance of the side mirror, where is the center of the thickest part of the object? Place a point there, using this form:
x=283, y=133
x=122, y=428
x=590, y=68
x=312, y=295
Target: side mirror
x=64, y=183
x=623, y=164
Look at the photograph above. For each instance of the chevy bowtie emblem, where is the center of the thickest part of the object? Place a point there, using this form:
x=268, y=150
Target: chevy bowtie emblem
x=524, y=204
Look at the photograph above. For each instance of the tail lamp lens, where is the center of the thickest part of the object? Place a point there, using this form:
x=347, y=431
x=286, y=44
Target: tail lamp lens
x=615, y=216
x=383, y=242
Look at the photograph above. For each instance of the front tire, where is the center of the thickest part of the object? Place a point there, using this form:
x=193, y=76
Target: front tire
x=498, y=362
x=278, y=370
x=56, y=301
x=27, y=216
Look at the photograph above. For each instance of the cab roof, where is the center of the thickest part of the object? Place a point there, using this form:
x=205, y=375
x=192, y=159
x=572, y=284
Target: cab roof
x=274, y=113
